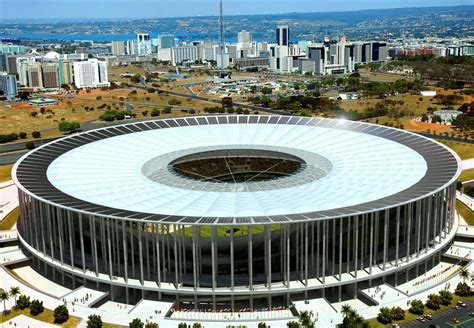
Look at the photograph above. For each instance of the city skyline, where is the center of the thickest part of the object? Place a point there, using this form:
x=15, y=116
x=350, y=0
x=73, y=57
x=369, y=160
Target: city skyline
x=108, y=9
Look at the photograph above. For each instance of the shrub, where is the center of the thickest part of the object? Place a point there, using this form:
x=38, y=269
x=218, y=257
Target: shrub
x=22, y=135
x=36, y=307
x=23, y=302
x=136, y=323
x=463, y=289
x=385, y=315
x=94, y=321
x=167, y=110
x=151, y=325
x=30, y=146
x=433, y=302
x=174, y=102
x=36, y=134
x=192, y=111
x=155, y=112
x=446, y=297
x=61, y=314
x=417, y=307
x=397, y=313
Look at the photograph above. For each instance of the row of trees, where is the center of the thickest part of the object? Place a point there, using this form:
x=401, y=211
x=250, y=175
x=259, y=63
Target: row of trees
x=5, y=138
x=68, y=127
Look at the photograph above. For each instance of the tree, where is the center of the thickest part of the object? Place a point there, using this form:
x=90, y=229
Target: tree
x=136, y=323
x=227, y=102
x=94, y=321
x=351, y=318
x=174, y=102
x=34, y=114
x=446, y=297
x=385, y=315
x=151, y=325
x=61, y=314
x=167, y=110
x=262, y=325
x=67, y=127
x=22, y=135
x=293, y=324
x=433, y=302
x=182, y=325
x=417, y=307
x=397, y=313
x=23, y=302
x=463, y=289
x=464, y=274
x=14, y=292
x=155, y=112
x=4, y=296
x=267, y=91
x=197, y=325
x=36, y=307
x=36, y=134
x=136, y=78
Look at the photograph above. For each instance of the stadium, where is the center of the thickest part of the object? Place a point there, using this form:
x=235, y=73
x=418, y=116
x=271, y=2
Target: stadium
x=237, y=211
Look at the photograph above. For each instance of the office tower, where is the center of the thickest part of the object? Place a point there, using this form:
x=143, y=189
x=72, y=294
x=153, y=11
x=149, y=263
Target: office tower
x=184, y=53
x=50, y=75
x=8, y=85
x=118, y=48
x=143, y=44
x=90, y=74
x=244, y=37
x=31, y=74
x=317, y=54
x=165, y=41
x=3, y=63
x=65, y=69
x=283, y=35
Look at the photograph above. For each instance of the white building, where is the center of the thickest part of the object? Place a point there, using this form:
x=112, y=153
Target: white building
x=184, y=53
x=90, y=74
x=143, y=44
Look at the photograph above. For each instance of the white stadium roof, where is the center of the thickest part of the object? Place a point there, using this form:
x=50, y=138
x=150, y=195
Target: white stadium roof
x=363, y=168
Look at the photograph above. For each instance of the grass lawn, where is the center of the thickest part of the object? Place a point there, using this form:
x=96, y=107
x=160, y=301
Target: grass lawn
x=465, y=212
x=5, y=172
x=8, y=222
x=46, y=316
x=464, y=150
x=466, y=175
x=409, y=316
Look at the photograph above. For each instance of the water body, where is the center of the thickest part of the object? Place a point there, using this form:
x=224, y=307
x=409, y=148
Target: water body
x=130, y=36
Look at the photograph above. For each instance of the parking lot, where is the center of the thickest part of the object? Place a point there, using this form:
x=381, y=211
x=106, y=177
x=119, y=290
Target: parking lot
x=446, y=318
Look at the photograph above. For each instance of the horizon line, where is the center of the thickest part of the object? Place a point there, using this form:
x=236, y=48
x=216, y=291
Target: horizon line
x=228, y=15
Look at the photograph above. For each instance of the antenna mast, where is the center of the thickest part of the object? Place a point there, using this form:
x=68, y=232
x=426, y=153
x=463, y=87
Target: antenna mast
x=222, y=43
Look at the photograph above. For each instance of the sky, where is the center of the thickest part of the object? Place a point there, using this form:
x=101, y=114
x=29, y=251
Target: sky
x=14, y=9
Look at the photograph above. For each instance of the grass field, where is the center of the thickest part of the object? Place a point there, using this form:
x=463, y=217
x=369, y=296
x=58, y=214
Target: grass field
x=409, y=316
x=464, y=150
x=9, y=221
x=5, y=172
x=465, y=212
x=46, y=316
x=466, y=175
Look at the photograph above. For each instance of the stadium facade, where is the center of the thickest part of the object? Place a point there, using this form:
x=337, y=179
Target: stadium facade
x=237, y=210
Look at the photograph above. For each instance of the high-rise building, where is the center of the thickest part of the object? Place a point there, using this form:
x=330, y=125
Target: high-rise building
x=31, y=75
x=244, y=37
x=283, y=35
x=8, y=85
x=317, y=54
x=90, y=74
x=165, y=41
x=50, y=76
x=143, y=45
x=119, y=48
x=65, y=69
x=184, y=53
x=3, y=63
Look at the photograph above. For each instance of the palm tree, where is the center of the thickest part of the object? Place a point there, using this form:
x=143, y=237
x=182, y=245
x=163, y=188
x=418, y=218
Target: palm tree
x=346, y=310
x=464, y=275
x=14, y=292
x=4, y=296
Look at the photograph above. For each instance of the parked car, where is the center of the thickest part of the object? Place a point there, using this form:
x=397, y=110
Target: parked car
x=471, y=314
x=428, y=317
x=460, y=303
x=455, y=307
x=421, y=319
x=455, y=320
